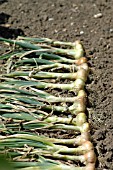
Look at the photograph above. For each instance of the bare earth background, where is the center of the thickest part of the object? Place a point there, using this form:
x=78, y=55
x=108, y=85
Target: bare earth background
x=69, y=20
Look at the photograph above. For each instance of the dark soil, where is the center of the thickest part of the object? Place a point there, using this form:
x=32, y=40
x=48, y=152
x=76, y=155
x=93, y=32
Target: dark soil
x=69, y=21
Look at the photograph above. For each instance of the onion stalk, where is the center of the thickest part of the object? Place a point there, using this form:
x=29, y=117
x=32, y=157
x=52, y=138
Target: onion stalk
x=48, y=41
x=75, y=53
x=77, y=85
x=76, y=45
x=80, y=74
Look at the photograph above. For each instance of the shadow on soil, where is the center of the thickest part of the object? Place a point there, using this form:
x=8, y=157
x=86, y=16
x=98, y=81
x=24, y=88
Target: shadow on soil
x=5, y=30
x=2, y=1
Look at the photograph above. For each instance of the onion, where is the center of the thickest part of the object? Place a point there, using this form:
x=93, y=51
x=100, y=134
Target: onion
x=78, y=106
x=90, y=157
x=85, y=136
x=82, y=74
x=87, y=146
x=81, y=105
x=81, y=60
x=82, y=93
x=85, y=127
x=80, y=119
x=79, y=84
x=84, y=66
x=79, y=50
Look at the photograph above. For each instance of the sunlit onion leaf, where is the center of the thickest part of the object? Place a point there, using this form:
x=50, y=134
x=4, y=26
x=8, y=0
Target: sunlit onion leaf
x=23, y=44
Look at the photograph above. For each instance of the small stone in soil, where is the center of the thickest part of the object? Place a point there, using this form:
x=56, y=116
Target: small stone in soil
x=99, y=15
